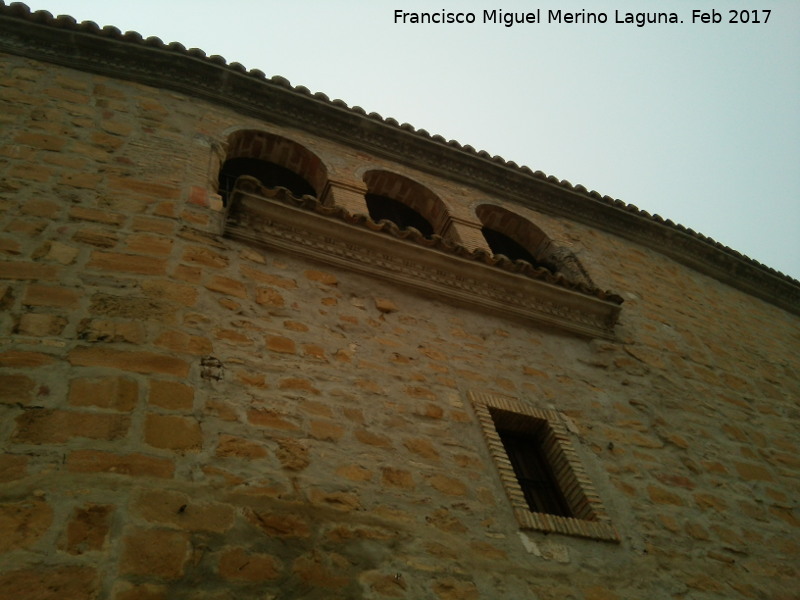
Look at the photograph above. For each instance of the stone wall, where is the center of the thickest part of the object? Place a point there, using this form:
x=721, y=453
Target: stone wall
x=186, y=416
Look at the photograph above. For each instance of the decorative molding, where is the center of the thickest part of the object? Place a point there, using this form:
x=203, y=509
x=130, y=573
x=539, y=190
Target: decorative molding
x=591, y=519
x=433, y=266
x=128, y=56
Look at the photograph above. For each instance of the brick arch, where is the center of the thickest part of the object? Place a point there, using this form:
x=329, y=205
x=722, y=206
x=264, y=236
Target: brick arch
x=533, y=244
x=518, y=229
x=409, y=193
x=283, y=161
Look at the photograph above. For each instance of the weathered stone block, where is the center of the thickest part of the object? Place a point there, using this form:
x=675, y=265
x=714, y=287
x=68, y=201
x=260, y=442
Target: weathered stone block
x=281, y=525
x=20, y=359
x=88, y=528
x=399, y=478
x=175, y=509
x=16, y=389
x=138, y=362
x=127, y=263
x=448, y=485
x=171, y=395
x=40, y=325
x=42, y=426
x=154, y=553
x=173, y=432
x=50, y=583
x=137, y=465
x=238, y=564
x=281, y=344
x=23, y=523
x=293, y=454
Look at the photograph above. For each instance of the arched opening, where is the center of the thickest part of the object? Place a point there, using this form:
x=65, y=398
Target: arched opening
x=502, y=244
x=273, y=160
x=404, y=202
x=383, y=207
x=516, y=238
x=269, y=174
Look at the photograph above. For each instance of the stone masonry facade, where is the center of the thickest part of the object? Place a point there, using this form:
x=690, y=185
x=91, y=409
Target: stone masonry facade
x=188, y=414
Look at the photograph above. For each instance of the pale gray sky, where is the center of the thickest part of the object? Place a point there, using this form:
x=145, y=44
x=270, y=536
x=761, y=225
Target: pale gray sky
x=699, y=123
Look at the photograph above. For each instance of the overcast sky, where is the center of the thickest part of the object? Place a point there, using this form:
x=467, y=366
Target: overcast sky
x=699, y=123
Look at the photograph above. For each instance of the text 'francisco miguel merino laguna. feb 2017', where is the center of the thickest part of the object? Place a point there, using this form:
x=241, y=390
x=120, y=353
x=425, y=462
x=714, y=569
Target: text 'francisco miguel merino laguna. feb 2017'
x=583, y=17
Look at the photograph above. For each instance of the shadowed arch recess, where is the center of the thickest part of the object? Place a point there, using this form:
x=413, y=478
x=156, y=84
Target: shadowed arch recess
x=404, y=202
x=274, y=161
x=513, y=236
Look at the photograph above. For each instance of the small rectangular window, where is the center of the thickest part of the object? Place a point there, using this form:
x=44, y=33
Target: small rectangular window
x=534, y=474
x=547, y=485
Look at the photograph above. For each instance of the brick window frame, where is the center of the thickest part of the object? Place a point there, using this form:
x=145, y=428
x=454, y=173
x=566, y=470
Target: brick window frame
x=590, y=519
x=519, y=230
x=292, y=164
x=414, y=196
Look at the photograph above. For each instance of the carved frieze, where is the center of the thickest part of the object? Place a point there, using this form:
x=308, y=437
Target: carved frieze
x=432, y=266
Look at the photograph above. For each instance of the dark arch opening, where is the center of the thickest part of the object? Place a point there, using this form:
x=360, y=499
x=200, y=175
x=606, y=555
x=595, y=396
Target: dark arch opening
x=500, y=243
x=269, y=174
x=274, y=161
x=517, y=238
x=383, y=207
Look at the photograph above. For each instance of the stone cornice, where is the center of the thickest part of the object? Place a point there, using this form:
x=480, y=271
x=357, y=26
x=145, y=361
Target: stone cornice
x=149, y=61
x=432, y=266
